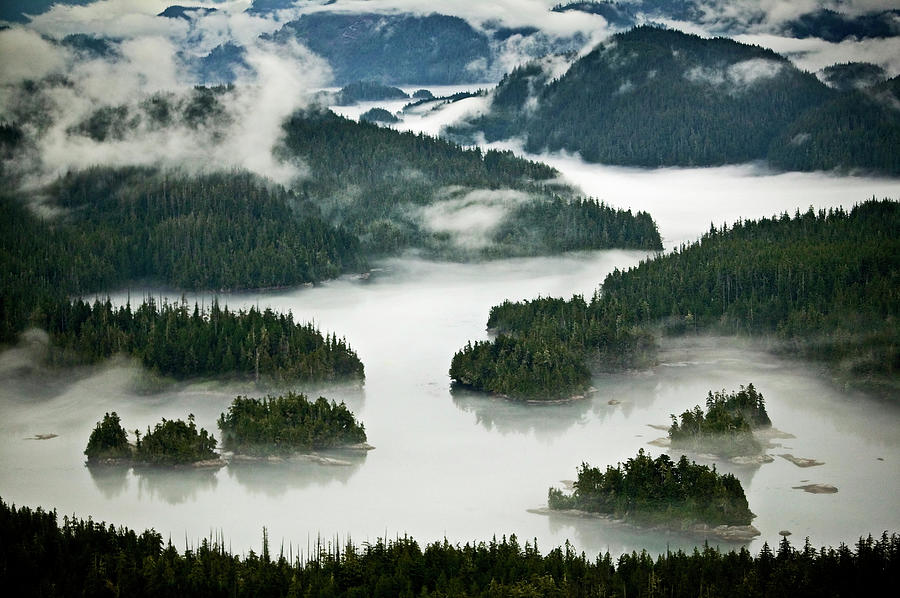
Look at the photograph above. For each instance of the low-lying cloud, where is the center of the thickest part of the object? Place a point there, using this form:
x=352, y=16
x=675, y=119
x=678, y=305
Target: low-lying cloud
x=471, y=220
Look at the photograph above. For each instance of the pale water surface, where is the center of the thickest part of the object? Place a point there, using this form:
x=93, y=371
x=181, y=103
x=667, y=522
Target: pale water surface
x=452, y=465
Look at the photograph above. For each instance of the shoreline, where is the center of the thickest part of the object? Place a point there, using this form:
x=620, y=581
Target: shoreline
x=738, y=534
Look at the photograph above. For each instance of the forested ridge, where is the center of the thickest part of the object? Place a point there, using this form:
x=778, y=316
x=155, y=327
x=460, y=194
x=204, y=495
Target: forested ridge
x=824, y=285
x=41, y=556
x=286, y=424
x=657, y=97
x=645, y=490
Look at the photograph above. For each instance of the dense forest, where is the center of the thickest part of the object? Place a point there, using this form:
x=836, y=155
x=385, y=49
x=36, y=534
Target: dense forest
x=376, y=182
x=174, y=442
x=108, y=440
x=182, y=342
x=378, y=115
x=657, y=97
x=652, y=491
x=42, y=557
x=287, y=424
x=822, y=285
x=726, y=428
x=858, y=129
x=170, y=442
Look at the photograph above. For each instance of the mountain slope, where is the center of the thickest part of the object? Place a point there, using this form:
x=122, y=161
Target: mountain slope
x=655, y=97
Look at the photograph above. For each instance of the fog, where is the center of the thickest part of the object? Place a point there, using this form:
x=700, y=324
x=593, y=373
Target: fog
x=457, y=465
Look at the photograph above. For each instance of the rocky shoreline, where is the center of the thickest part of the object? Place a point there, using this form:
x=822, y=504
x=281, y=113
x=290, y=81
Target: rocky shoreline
x=739, y=534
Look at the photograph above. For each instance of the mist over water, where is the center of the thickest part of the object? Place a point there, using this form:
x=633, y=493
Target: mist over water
x=447, y=464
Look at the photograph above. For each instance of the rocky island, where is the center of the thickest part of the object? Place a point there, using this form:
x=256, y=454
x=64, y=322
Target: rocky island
x=289, y=424
x=660, y=493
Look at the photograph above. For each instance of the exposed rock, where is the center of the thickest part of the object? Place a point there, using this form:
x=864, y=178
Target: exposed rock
x=801, y=461
x=751, y=459
x=817, y=488
x=613, y=402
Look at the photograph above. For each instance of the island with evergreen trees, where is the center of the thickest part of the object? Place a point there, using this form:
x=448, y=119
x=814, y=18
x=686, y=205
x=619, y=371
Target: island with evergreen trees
x=726, y=428
x=647, y=492
x=819, y=285
x=168, y=443
x=289, y=424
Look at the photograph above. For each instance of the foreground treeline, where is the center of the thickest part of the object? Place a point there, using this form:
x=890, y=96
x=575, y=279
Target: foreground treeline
x=182, y=342
x=825, y=285
x=38, y=557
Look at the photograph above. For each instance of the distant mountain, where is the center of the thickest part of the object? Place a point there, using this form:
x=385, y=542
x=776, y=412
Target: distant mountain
x=616, y=14
x=436, y=49
x=378, y=115
x=16, y=11
x=91, y=46
x=654, y=97
x=859, y=129
x=853, y=75
x=221, y=65
x=835, y=27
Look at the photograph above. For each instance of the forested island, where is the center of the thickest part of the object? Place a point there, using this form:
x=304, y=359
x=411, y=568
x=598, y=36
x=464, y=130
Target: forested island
x=170, y=442
x=821, y=285
x=288, y=424
x=727, y=426
x=183, y=342
x=658, y=492
x=41, y=556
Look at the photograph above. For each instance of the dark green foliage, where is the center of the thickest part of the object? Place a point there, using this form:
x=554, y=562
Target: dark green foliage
x=422, y=94
x=378, y=115
x=108, y=440
x=853, y=75
x=40, y=557
x=375, y=181
x=825, y=284
x=648, y=490
x=726, y=427
x=655, y=97
x=859, y=129
x=217, y=231
x=177, y=341
x=393, y=48
x=174, y=442
x=544, y=347
x=367, y=91
x=287, y=424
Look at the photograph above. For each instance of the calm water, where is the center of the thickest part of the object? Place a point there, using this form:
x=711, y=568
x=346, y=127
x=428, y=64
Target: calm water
x=466, y=466
x=460, y=466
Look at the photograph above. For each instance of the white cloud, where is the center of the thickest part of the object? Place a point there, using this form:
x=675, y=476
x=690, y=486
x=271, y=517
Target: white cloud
x=472, y=219
x=27, y=56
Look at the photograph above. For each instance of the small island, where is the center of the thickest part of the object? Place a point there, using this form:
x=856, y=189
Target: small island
x=169, y=443
x=726, y=429
x=283, y=425
x=367, y=91
x=108, y=442
x=681, y=496
x=378, y=115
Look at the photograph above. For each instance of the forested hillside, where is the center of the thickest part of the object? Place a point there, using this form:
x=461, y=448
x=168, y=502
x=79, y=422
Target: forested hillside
x=858, y=129
x=42, y=556
x=656, y=97
x=824, y=284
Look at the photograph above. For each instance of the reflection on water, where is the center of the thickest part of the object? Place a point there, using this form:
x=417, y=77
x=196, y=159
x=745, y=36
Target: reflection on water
x=276, y=479
x=462, y=466
x=111, y=480
x=175, y=485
